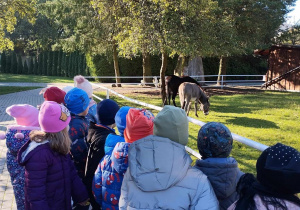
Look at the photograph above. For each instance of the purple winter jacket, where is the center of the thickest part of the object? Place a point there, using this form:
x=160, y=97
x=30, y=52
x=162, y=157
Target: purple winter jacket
x=50, y=178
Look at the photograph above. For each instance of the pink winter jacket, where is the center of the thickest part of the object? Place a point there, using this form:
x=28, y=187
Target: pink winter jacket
x=261, y=206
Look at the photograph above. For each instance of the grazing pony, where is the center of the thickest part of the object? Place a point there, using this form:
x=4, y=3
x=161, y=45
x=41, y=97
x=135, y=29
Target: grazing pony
x=172, y=85
x=192, y=92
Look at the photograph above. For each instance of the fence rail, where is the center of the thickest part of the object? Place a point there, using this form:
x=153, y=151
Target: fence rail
x=223, y=82
x=241, y=139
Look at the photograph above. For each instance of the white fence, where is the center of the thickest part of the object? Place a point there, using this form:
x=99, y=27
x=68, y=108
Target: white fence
x=236, y=137
x=243, y=81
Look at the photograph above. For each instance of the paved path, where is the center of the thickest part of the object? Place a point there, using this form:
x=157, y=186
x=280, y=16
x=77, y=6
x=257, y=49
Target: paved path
x=31, y=97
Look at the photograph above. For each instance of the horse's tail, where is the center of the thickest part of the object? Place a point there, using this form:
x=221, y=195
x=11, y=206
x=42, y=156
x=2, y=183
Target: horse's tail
x=181, y=96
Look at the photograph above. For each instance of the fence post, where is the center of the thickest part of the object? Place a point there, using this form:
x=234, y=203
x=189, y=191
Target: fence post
x=107, y=94
x=222, y=82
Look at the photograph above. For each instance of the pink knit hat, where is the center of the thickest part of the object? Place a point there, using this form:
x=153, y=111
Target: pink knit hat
x=53, y=117
x=24, y=114
x=83, y=84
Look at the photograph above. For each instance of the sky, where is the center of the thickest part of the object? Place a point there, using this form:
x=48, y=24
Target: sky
x=294, y=16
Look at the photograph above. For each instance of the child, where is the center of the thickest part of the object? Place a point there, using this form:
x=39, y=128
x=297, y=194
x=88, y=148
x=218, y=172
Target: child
x=159, y=175
x=106, y=111
x=84, y=84
x=214, y=145
x=50, y=176
x=109, y=175
x=53, y=94
x=77, y=101
x=276, y=184
x=26, y=117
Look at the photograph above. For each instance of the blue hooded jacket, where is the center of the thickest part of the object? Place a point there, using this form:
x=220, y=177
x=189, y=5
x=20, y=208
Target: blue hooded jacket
x=113, y=166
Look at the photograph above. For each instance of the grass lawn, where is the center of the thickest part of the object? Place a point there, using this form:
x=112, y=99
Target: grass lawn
x=33, y=78
x=13, y=89
x=266, y=117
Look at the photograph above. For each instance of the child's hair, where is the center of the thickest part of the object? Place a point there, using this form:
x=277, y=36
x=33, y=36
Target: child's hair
x=59, y=142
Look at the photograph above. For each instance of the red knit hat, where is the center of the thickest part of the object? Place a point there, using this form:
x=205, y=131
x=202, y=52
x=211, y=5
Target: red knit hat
x=139, y=124
x=54, y=94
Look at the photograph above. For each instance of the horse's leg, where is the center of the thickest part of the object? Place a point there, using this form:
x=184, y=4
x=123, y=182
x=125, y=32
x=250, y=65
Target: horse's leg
x=187, y=105
x=173, y=97
x=196, y=102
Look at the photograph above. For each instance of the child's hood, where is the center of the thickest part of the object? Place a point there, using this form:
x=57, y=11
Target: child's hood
x=119, y=157
x=223, y=174
x=157, y=163
x=111, y=141
x=120, y=119
x=29, y=149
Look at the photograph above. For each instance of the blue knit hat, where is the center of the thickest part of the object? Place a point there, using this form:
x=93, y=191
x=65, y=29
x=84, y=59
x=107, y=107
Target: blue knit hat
x=106, y=111
x=120, y=119
x=214, y=140
x=77, y=100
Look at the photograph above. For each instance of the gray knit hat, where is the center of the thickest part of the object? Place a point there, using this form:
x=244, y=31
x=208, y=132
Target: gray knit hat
x=171, y=122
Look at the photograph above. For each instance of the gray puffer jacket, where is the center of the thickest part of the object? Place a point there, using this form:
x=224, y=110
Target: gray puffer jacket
x=160, y=177
x=223, y=174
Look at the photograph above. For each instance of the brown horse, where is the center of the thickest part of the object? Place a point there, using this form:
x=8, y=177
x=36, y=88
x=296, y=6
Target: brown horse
x=172, y=85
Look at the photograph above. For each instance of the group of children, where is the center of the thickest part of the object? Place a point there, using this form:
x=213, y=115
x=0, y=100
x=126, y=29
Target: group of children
x=67, y=155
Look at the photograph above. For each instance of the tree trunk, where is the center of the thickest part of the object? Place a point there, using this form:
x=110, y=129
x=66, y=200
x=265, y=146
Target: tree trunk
x=164, y=62
x=182, y=61
x=147, y=67
x=116, y=65
x=222, y=70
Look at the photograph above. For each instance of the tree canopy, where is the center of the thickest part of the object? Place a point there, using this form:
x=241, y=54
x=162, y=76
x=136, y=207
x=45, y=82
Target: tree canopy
x=9, y=12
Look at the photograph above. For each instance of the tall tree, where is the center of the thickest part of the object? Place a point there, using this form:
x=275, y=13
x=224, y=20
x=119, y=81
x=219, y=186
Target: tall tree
x=20, y=69
x=45, y=63
x=3, y=63
x=40, y=64
x=25, y=69
x=31, y=66
x=253, y=24
x=84, y=29
x=14, y=64
x=10, y=11
x=8, y=63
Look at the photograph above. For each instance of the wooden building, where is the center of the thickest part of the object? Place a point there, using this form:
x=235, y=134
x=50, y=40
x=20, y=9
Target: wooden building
x=284, y=68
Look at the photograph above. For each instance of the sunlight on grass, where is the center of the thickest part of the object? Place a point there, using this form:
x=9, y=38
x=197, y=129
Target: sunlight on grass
x=33, y=78
x=266, y=117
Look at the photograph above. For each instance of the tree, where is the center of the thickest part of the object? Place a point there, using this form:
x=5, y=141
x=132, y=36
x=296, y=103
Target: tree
x=14, y=64
x=59, y=63
x=31, y=66
x=289, y=35
x=35, y=67
x=165, y=27
x=8, y=62
x=10, y=11
x=25, y=69
x=20, y=69
x=84, y=29
x=3, y=63
x=40, y=64
x=45, y=63
x=49, y=63
x=253, y=24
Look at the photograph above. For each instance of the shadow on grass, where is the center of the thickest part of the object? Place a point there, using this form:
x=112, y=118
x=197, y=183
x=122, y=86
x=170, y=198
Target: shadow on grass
x=248, y=103
x=231, y=109
x=250, y=122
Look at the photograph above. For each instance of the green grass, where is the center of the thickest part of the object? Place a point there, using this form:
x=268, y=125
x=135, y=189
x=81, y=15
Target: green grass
x=266, y=117
x=14, y=89
x=33, y=78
